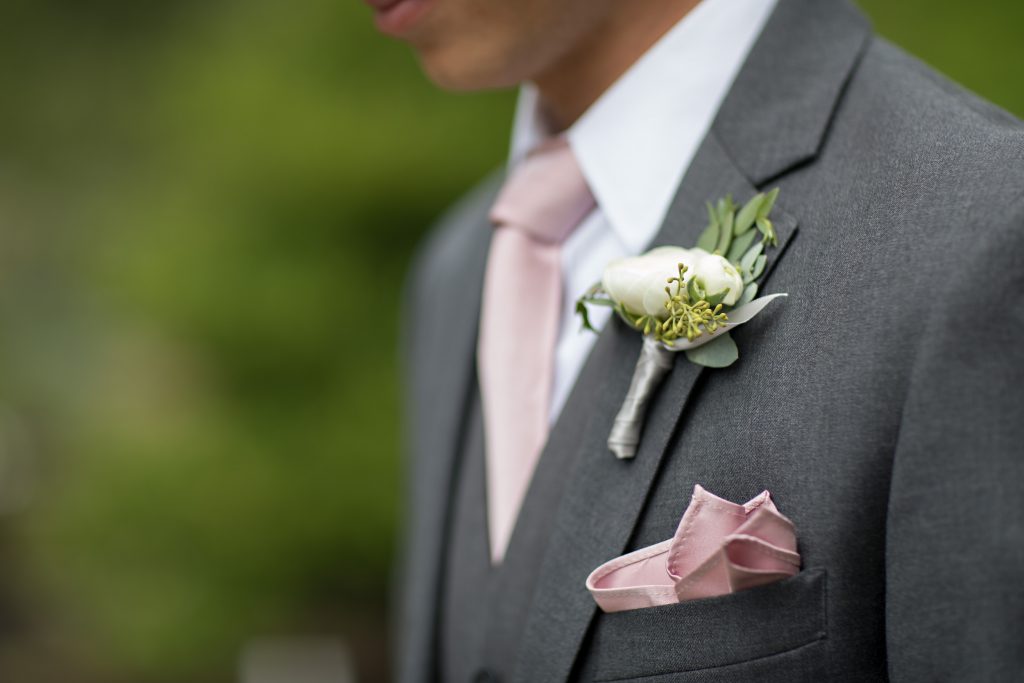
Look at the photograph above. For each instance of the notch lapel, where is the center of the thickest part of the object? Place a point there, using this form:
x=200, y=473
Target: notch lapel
x=777, y=113
x=774, y=119
x=605, y=496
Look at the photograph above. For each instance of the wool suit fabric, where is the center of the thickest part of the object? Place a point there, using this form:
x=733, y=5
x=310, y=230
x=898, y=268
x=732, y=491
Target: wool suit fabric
x=881, y=403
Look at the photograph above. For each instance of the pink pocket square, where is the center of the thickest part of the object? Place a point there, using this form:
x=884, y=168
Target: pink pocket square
x=719, y=547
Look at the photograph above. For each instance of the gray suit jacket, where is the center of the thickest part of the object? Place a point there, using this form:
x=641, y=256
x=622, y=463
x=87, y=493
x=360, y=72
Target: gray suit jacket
x=882, y=403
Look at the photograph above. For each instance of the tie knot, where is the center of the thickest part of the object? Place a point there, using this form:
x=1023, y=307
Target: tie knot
x=546, y=195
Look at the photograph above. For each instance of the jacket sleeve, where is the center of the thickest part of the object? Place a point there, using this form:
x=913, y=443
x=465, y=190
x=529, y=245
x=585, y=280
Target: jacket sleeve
x=955, y=530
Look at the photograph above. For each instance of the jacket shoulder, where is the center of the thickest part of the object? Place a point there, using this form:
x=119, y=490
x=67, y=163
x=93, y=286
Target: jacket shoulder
x=923, y=85
x=907, y=147
x=944, y=137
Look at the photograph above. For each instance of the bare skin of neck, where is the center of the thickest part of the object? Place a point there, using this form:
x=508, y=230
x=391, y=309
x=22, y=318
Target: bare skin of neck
x=573, y=83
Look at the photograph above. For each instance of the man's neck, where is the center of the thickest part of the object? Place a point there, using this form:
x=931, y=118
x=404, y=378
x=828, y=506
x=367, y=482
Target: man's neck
x=570, y=86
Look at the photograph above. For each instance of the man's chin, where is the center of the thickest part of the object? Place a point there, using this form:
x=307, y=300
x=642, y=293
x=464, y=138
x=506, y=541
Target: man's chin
x=454, y=71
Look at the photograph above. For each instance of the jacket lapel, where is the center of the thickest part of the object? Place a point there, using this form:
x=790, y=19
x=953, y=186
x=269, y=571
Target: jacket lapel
x=605, y=496
x=806, y=52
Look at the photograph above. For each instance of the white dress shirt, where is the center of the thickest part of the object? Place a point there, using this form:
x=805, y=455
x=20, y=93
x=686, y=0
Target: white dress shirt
x=634, y=144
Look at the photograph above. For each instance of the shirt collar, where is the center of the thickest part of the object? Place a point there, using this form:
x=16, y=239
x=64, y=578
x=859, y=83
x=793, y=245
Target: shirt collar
x=636, y=141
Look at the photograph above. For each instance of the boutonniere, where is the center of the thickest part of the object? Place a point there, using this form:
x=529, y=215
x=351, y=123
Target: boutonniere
x=686, y=300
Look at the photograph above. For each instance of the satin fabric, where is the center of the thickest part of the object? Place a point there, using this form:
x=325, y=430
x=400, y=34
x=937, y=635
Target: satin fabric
x=542, y=201
x=719, y=547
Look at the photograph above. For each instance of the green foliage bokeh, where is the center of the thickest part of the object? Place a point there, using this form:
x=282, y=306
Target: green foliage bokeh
x=206, y=211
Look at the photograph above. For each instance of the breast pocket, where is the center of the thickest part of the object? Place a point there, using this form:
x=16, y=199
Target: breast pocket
x=774, y=632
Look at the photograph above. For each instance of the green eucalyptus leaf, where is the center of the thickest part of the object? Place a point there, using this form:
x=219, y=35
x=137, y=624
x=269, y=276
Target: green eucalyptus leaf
x=709, y=238
x=723, y=207
x=720, y=352
x=767, y=229
x=716, y=298
x=694, y=290
x=759, y=266
x=747, y=215
x=768, y=203
x=581, y=310
x=748, y=260
x=740, y=246
x=749, y=292
x=725, y=233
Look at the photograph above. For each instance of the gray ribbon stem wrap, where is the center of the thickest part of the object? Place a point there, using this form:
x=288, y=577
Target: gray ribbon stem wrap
x=654, y=363
x=651, y=367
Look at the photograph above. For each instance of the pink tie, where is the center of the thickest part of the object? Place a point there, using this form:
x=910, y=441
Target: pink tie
x=540, y=204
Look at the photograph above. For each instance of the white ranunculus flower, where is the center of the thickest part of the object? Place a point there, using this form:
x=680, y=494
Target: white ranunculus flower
x=638, y=282
x=714, y=274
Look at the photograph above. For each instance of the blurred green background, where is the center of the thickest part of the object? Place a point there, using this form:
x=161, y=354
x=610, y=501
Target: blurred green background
x=206, y=210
